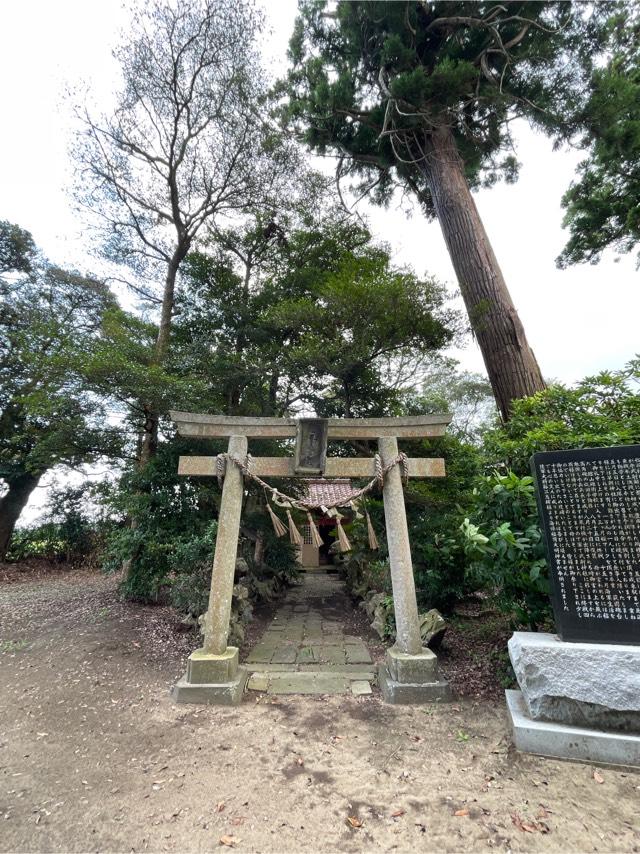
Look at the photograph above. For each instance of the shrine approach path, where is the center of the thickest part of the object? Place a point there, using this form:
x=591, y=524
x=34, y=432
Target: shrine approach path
x=309, y=647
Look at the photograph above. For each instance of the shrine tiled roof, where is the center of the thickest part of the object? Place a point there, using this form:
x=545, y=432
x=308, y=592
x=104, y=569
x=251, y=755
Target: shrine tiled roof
x=325, y=491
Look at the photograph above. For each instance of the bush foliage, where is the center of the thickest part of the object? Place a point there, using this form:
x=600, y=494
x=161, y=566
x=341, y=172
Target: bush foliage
x=478, y=529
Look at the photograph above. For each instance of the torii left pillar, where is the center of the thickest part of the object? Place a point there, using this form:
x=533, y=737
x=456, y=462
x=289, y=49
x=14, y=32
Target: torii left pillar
x=213, y=673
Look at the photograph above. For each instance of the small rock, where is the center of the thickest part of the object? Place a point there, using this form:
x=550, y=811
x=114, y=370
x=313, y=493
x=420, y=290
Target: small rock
x=432, y=628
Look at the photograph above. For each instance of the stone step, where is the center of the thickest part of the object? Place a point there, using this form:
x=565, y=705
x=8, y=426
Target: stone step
x=308, y=682
x=351, y=671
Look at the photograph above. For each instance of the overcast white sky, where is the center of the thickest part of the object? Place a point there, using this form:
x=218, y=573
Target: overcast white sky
x=578, y=321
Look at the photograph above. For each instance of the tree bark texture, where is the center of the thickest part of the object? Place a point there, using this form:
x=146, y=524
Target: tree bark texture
x=149, y=442
x=11, y=506
x=511, y=365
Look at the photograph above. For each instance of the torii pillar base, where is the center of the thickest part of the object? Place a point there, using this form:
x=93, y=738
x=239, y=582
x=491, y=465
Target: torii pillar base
x=214, y=680
x=405, y=678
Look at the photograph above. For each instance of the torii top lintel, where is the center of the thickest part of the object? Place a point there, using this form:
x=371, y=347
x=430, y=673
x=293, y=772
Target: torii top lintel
x=215, y=426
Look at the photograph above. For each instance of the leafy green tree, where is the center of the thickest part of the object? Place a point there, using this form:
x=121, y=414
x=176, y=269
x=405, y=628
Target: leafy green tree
x=362, y=333
x=182, y=147
x=18, y=253
x=49, y=321
x=331, y=325
x=314, y=325
x=603, y=206
x=599, y=411
x=423, y=95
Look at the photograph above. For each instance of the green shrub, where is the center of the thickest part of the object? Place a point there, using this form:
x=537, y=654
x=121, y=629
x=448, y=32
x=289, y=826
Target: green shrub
x=503, y=543
x=43, y=541
x=280, y=558
x=170, y=512
x=600, y=411
x=70, y=533
x=435, y=508
x=191, y=563
x=362, y=568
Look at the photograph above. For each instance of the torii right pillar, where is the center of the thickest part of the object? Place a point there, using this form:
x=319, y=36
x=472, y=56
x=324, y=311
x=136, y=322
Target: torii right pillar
x=410, y=672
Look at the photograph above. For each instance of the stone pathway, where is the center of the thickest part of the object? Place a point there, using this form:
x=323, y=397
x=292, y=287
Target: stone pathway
x=305, y=649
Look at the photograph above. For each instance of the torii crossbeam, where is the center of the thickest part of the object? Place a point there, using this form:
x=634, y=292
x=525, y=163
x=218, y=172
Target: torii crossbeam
x=213, y=674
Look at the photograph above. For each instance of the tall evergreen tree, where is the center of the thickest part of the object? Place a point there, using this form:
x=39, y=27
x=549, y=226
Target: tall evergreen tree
x=422, y=95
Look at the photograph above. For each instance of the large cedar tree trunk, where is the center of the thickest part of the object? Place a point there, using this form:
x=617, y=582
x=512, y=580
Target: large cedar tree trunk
x=511, y=365
x=11, y=506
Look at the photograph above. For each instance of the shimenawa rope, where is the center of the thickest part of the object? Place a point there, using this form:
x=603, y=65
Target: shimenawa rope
x=288, y=501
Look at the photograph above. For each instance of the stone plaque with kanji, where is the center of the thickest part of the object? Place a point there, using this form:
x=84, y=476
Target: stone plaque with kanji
x=311, y=446
x=589, y=503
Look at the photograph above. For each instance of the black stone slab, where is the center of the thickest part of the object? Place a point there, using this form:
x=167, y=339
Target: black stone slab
x=311, y=446
x=589, y=503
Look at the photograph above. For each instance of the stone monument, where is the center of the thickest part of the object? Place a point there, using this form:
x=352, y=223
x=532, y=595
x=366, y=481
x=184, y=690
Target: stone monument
x=579, y=692
x=214, y=675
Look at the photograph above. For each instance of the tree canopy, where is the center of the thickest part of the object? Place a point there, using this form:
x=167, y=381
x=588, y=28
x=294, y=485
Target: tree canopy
x=185, y=145
x=371, y=81
x=49, y=321
x=603, y=205
x=422, y=95
x=328, y=324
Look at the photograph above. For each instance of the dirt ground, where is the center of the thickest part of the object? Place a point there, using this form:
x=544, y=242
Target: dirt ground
x=95, y=757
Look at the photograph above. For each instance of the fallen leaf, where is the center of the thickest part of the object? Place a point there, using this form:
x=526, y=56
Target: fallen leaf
x=543, y=812
x=353, y=821
x=461, y=812
x=526, y=827
x=597, y=776
x=397, y=813
x=517, y=820
x=228, y=840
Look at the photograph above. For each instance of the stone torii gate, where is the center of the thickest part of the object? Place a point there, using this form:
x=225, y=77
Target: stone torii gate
x=213, y=672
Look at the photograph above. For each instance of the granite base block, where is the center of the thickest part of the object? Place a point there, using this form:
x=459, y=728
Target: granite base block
x=412, y=669
x=562, y=741
x=406, y=693
x=213, y=694
x=207, y=668
x=578, y=684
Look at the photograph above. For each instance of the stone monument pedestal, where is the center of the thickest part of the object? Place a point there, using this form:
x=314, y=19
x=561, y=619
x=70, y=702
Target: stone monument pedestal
x=212, y=679
x=576, y=700
x=406, y=678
